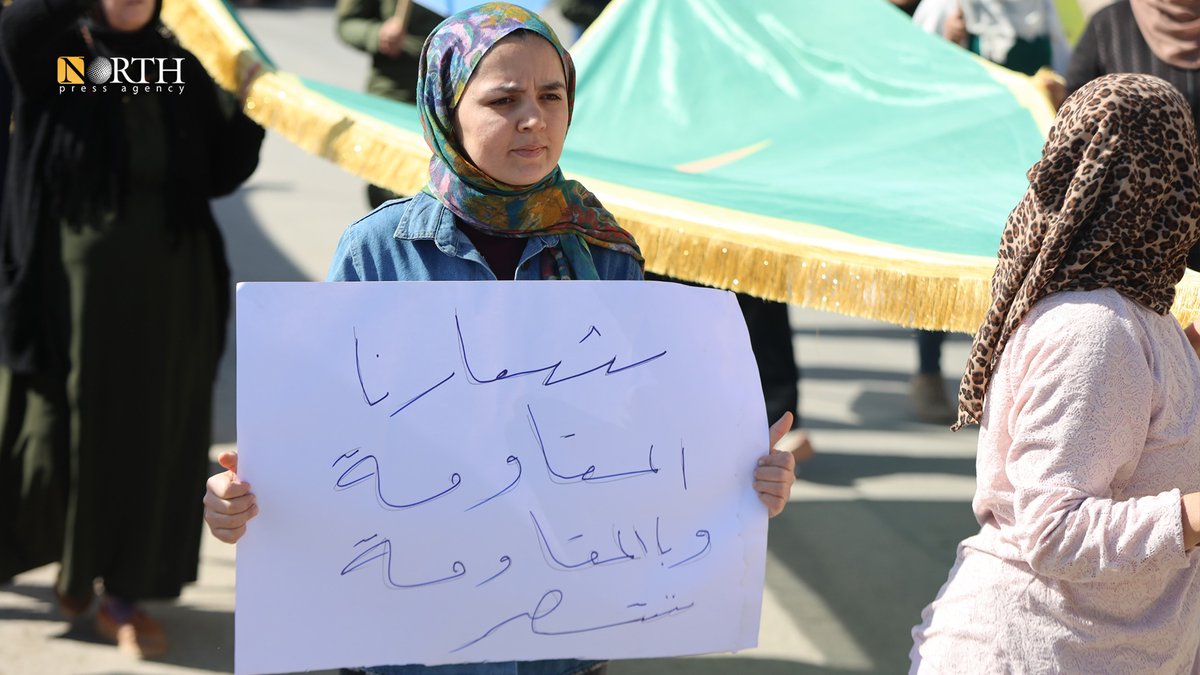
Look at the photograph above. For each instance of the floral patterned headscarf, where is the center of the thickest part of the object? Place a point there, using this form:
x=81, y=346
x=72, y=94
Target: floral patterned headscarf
x=1114, y=202
x=553, y=205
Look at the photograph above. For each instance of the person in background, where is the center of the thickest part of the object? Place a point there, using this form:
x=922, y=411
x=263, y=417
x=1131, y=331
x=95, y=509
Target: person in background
x=1156, y=37
x=114, y=292
x=495, y=95
x=1084, y=387
x=1021, y=35
x=392, y=32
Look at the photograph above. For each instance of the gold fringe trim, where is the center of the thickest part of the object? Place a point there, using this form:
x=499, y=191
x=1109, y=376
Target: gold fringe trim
x=893, y=285
x=803, y=264
x=382, y=154
x=799, y=263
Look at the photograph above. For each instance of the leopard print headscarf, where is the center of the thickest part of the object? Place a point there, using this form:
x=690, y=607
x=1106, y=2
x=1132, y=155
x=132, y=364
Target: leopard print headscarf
x=1113, y=203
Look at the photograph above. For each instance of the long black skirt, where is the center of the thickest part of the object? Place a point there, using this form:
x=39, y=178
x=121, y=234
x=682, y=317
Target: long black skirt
x=102, y=467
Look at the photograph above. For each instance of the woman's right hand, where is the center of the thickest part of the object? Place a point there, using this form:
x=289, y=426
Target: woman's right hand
x=228, y=502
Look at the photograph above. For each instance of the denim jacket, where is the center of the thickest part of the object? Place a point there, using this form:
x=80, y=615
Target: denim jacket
x=416, y=239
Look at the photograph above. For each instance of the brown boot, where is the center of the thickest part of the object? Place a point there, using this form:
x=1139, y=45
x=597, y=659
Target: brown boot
x=140, y=635
x=71, y=606
x=928, y=394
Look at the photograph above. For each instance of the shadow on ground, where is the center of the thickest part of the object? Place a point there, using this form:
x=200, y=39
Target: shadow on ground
x=880, y=332
x=899, y=554
x=198, y=647
x=720, y=666
x=838, y=469
x=878, y=407
x=873, y=564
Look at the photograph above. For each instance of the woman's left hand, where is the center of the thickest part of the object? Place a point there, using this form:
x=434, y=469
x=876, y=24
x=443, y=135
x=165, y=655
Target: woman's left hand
x=776, y=471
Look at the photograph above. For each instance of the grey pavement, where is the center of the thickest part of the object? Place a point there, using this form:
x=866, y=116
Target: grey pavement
x=865, y=544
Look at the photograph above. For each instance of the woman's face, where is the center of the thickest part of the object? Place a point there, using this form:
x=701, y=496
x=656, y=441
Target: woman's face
x=512, y=117
x=127, y=15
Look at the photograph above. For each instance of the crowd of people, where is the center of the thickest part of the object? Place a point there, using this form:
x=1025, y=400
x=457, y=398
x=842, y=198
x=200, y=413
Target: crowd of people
x=114, y=293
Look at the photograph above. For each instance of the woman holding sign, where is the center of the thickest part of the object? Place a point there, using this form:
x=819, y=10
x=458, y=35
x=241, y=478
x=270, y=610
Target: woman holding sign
x=495, y=93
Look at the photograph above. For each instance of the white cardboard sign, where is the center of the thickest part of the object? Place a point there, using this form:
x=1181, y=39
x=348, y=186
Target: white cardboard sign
x=455, y=472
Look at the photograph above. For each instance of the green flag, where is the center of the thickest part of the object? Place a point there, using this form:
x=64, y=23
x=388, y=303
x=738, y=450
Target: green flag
x=829, y=154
